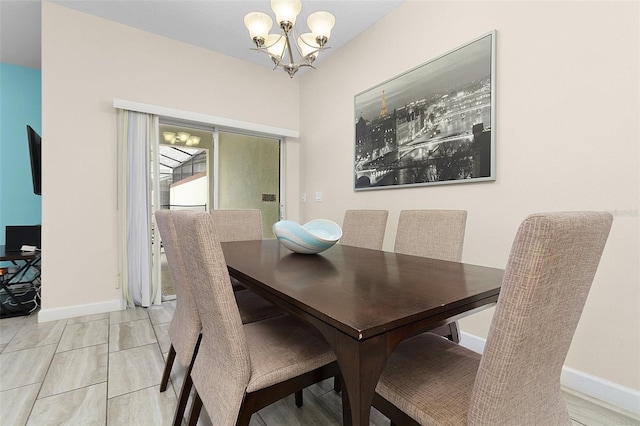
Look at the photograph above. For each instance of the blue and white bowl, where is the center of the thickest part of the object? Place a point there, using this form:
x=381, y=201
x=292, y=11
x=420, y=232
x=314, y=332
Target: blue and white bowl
x=312, y=237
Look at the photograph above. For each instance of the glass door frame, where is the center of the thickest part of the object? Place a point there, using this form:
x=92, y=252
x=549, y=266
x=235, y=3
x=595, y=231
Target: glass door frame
x=216, y=159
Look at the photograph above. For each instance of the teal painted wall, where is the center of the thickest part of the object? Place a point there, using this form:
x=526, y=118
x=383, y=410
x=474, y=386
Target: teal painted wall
x=20, y=104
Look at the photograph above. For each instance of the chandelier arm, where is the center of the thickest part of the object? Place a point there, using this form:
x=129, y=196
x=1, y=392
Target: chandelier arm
x=304, y=59
x=288, y=44
x=277, y=61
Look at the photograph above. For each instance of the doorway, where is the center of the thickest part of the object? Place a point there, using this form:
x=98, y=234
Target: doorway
x=183, y=179
x=200, y=168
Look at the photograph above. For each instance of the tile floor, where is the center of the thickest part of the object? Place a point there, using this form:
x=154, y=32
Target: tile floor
x=105, y=370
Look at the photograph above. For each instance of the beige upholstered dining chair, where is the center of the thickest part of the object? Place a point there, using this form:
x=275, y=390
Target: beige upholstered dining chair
x=237, y=225
x=364, y=228
x=241, y=368
x=550, y=269
x=185, y=326
x=438, y=234
x=243, y=225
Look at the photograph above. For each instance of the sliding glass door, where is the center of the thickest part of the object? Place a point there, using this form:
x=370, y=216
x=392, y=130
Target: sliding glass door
x=201, y=168
x=248, y=171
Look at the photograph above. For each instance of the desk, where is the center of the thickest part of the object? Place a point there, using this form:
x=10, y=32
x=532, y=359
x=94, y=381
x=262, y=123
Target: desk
x=27, y=261
x=363, y=301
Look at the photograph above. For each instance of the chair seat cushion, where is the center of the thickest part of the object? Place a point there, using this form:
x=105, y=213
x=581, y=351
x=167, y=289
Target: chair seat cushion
x=430, y=378
x=282, y=348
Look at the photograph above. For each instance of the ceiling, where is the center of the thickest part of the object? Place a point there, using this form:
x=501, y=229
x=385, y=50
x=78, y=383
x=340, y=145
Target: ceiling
x=212, y=24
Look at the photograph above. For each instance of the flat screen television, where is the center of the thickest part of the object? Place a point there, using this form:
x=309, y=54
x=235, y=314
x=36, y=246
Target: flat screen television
x=35, y=152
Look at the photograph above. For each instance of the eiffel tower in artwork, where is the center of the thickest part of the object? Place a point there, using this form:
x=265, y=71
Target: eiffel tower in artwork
x=383, y=111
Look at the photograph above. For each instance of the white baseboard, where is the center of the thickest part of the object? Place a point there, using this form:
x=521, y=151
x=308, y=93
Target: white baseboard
x=473, y=342
x=55, y=314
x=612, y=393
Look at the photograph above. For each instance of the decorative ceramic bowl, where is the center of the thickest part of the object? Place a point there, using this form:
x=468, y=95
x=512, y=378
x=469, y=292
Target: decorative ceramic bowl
x=312, y=237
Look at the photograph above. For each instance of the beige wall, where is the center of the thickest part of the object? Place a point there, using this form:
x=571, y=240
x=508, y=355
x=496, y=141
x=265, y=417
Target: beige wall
x=567, y=138
x=86, y=63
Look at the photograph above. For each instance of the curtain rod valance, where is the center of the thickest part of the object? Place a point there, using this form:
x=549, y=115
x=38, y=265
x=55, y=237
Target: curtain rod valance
x=221, y=122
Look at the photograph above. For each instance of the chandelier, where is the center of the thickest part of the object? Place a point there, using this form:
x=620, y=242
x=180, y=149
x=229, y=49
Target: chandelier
x=182, y=137
x=280, y=47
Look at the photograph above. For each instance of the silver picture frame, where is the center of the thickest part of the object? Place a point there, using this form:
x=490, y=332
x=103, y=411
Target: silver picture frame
x=432, y=125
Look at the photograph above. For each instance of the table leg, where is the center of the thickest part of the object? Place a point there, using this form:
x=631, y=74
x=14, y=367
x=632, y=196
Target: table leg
x=361, y=363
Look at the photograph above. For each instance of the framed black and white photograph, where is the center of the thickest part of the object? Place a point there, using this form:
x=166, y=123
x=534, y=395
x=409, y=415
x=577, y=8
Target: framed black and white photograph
x=430, y=125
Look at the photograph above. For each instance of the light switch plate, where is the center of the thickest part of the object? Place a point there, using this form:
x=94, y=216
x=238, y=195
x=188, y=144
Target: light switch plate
x=318, y=197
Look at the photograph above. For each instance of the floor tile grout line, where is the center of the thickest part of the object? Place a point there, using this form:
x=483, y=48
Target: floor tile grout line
x=162, y=354
x=37, y=345
x=81, y=347
x=48, y=367
x=51, y=360
x=131, y=392
x=148, y=318
x=70, y=390
x=34, y=402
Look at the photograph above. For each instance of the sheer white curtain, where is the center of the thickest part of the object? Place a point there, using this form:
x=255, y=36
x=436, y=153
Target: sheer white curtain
x=137, y=141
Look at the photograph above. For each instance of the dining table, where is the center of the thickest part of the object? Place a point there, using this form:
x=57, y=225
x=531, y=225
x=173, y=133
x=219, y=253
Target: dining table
x=364, y=302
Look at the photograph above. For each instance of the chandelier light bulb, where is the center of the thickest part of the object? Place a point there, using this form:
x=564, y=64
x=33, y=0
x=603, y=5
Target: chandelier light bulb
x=259, y=24
x=308, y=46
x=169, y=136
x=183, y=136
x=276, y=44
x=286, y=11
x=321, y=23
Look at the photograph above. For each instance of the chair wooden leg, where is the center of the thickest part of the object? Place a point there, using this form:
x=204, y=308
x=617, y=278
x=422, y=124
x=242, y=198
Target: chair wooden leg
x=337, y=384
x=196, y=407
x=167, y=368
x=184, y=397
x=247, y=408
x=455, y=332
x=299, y=401
x=187, y=384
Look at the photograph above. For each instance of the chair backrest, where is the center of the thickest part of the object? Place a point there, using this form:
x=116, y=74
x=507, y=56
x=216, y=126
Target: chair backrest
x=551, y=267
x=364, y=228
x=438, y=234
x=185, y=325
x=237, y=225
x=223, y=366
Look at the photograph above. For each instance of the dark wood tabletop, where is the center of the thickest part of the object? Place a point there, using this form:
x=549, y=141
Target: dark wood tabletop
x=364, y=301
